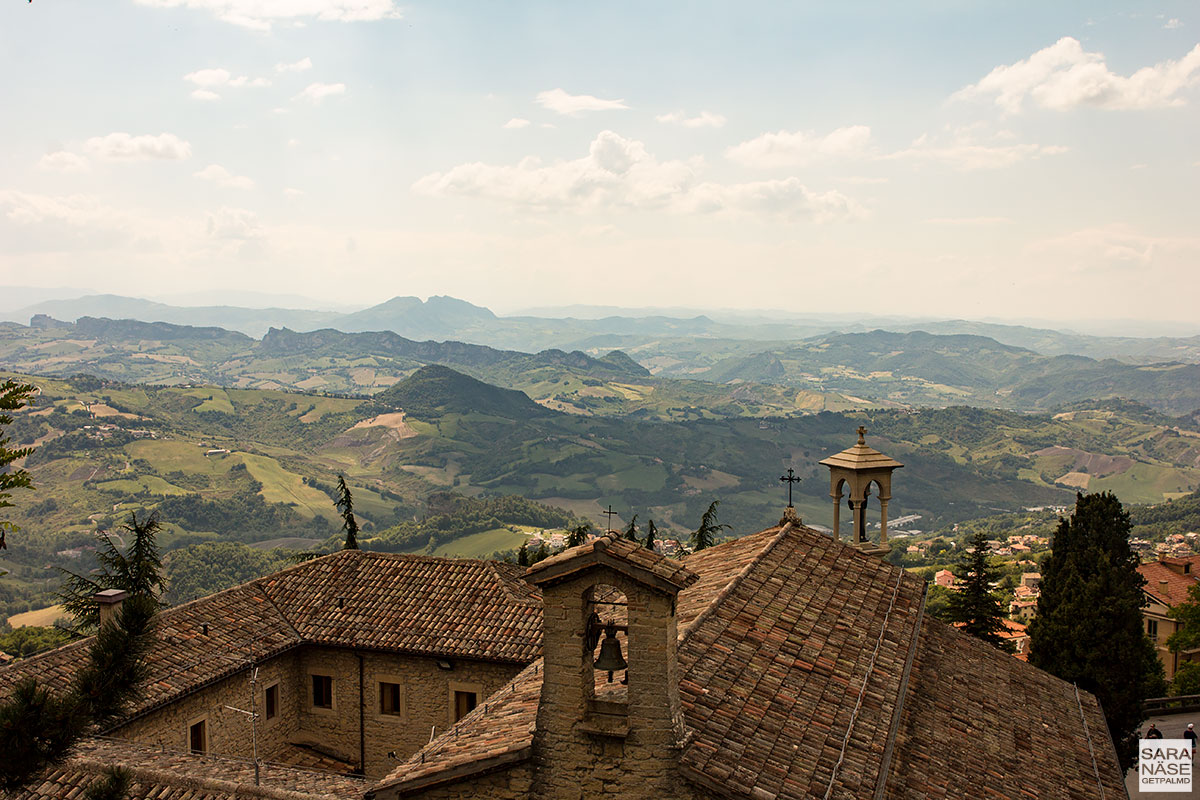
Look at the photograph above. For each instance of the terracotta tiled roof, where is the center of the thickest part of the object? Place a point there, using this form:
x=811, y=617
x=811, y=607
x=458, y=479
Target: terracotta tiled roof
x=611, y=550
x=808, y=670
x=412, y=604
x=181, y=776
x=1175, y=590
x=979, y=723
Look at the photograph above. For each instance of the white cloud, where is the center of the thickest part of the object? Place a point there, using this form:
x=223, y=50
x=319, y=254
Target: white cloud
x=788, y=149
x=223, y=177
x=125, y=147
x=1121, y=248
x=560, y=102
x=209, y=79
x=232, y=223
x=259, y=14
x=63, y=161
x=620, y=173
x=964, y=153
x=205, y=95
x=296, y=66
x=316, y=92
x=293, y=194
x=1172, y=24
x=705, y=119
x=1064, y=76
x=514, y=123
x=48, y=223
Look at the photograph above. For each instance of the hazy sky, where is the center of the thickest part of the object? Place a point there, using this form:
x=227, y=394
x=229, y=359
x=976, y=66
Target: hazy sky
x=963, y=159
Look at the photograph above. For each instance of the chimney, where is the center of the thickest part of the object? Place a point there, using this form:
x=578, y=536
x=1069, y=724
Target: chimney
x=109, y=601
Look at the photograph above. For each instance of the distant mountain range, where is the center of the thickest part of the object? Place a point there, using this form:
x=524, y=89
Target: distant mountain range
x=449, y=319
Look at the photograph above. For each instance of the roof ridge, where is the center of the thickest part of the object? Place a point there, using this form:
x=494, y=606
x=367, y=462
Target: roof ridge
x=732, y=585
x=183, y=780
x=282, y=615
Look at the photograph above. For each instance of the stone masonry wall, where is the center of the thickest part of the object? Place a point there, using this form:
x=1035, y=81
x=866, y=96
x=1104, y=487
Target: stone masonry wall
x=427, y=693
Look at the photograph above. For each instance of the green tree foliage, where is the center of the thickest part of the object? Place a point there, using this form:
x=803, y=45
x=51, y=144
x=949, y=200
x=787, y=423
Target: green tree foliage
x=651, y=535
x=1089, y=624
x=13, y=396
x=345, y=506
x=542, y=553
x=451, y=516
x=245, y=516
x=39, y=727
x=202, y=569
x=138, y=571
x=973, y=605
x=1187, y=679
x=29, y=640
x=523, y=555
x=578, y=535
x=706, y=535
x=631, y=529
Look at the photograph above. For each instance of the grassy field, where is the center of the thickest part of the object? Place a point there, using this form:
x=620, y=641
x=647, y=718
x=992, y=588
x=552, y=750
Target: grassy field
x=281, y=486
x=479, y=545
x=39, y=618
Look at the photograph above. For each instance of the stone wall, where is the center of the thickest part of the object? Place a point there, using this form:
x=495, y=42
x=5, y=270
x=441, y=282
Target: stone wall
x=426, y=694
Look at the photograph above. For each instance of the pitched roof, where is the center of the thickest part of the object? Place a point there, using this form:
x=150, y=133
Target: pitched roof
x=861, y=456
x=620, y=554
x=456, y=608
x=163, y=775
x=802, y=660
x=1175, y=589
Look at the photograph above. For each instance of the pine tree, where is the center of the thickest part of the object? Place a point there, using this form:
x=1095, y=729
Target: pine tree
x=578, y=535
x=523, y=555
x=38, y=728
x=705, y=536
x=345, y=505
x=138, y=571
x=974, y=605
x=631, y=529
x=1089, y=627
x=13, y=395
x=651, y=534
x=542, y=553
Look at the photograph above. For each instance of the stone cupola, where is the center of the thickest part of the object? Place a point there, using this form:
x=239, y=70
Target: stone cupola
x=598, y=730
x=856, y=468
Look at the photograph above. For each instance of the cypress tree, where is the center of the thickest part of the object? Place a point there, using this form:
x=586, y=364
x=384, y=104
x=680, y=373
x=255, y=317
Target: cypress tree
x=705, y=536
x=1089, y=627
x=651, y=533
x=345, y=505
x=578, y=535
x=974, y=605
x=631, y=529
x=523, y=555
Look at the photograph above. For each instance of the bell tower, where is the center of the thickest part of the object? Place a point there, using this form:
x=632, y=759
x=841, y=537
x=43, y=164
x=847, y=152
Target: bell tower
x=856, y=468
x=609, y=717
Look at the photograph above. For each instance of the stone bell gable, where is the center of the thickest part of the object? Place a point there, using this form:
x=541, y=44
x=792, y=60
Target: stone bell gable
x=593, y=732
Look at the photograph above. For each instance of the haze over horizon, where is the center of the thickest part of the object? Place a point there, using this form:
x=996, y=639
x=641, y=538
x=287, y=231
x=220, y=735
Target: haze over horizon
x=1018, y=163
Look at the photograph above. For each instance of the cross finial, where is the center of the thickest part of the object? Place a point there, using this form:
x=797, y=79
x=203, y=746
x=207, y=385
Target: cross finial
x=610, y=513
x=862, y=432
x=790, y=479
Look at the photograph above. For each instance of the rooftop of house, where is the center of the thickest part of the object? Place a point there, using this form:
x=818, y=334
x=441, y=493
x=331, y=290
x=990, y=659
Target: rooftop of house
x=808, y=665
x=160, y=775
x=1168, y=579
x=484, y=610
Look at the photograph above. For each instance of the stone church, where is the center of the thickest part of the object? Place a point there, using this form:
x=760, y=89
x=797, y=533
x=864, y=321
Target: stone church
x=782, y=664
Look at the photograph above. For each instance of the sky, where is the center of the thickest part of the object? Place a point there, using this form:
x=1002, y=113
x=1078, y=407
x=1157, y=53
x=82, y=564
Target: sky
x=958, y=159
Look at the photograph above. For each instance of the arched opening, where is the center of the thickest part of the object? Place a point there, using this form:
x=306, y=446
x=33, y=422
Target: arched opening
x=871, y=513
x=607, y=622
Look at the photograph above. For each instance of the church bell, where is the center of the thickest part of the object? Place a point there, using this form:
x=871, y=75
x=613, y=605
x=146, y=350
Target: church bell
x=610, y=659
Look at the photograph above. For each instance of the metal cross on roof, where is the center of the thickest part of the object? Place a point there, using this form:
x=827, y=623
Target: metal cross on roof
x=610, y=513
x=790, y=479
x=862, y=432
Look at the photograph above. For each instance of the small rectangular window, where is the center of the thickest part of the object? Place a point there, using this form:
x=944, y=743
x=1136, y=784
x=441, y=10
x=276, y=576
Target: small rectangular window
x=198, y=737
x=322, y=691
x=1152, y=628
x=464, y=703
x=272, y=701
x=389, y=699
